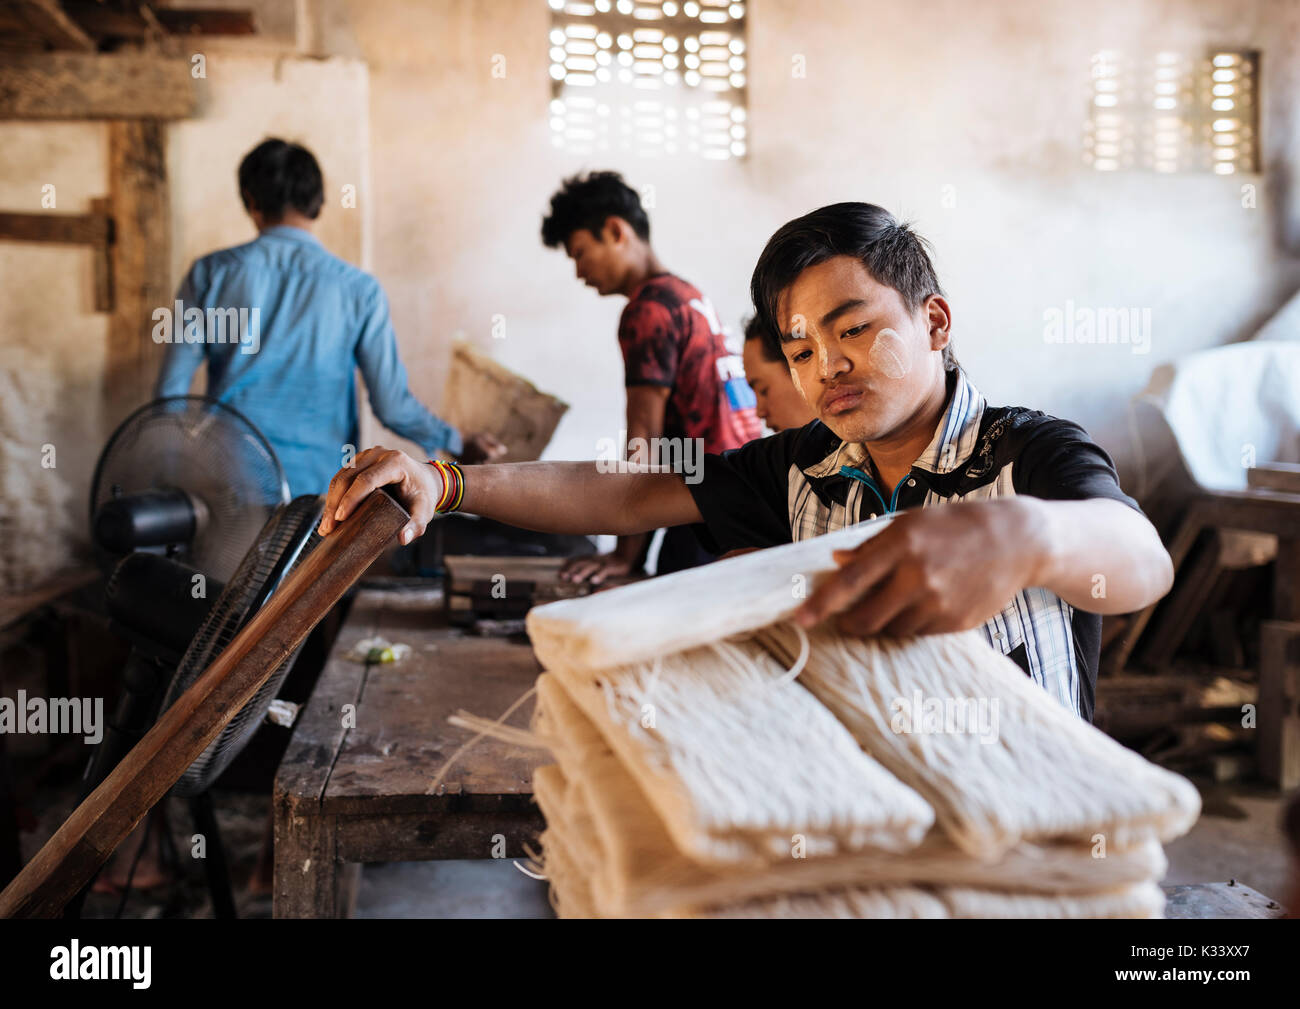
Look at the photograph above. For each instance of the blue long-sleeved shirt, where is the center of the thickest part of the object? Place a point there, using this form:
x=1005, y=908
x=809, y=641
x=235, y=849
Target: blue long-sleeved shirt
x=292, y=368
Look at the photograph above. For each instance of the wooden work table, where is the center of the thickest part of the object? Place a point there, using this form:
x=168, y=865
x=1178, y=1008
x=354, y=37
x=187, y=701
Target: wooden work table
x=353, y=785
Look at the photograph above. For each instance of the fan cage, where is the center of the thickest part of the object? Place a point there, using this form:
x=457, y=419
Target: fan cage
x=214, y=454
x=286, y=540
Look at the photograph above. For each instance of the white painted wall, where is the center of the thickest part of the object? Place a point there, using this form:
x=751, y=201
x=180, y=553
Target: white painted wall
x=900, y=100
x=454, y=169
x=52, y=351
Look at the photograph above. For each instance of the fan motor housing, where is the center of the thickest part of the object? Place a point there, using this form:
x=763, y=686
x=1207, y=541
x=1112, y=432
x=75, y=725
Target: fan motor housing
x=151, y=518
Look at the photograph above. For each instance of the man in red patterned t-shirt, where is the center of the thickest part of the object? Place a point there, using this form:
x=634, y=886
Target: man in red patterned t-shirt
x=683, y=384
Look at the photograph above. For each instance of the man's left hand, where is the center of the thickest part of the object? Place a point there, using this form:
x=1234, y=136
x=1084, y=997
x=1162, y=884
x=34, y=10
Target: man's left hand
x=931, y=571
x=480, y=447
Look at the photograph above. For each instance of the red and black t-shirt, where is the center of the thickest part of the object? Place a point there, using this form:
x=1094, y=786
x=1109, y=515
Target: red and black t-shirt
x=670, y=336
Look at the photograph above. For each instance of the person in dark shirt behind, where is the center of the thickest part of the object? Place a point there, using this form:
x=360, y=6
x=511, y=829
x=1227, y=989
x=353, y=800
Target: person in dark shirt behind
x=779, y=404
x=682, y=381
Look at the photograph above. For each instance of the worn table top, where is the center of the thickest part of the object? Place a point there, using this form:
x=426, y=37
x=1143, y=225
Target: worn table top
x=401, y=740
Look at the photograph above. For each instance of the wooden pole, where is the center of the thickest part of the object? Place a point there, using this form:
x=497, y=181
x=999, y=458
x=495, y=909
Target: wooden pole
x=95, y=828
x=141, y=261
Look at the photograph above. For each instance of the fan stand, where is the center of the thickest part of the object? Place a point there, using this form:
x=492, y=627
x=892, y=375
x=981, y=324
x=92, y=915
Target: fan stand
x=136, y=711
x=215, y=868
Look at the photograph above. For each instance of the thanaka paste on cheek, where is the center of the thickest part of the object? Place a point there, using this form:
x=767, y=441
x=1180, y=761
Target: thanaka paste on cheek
x=888, y=355
x=823, y=358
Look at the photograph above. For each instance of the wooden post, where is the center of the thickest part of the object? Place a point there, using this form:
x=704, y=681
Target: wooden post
x=141, y=261
x=95, y=828
x=1279, y=673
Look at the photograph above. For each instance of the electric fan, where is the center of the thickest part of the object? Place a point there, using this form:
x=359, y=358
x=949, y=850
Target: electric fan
x=284, y=541
x=175, y=638
x=188, y=477
x=186, y=487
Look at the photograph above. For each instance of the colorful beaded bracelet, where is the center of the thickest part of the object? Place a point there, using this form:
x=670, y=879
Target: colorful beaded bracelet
x=453, y=486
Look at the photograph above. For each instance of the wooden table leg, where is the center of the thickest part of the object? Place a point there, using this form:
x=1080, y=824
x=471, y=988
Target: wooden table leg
x=307, y=876
x=310, y=882
x=1279, y=673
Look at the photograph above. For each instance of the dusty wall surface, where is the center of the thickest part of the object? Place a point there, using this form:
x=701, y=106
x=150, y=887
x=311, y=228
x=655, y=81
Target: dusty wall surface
x=52, y=346
x=900, y=100
x=965, y=119
x=52, y=343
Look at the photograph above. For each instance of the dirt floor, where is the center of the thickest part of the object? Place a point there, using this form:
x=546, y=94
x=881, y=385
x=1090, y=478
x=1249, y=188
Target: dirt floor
x=1237, y=837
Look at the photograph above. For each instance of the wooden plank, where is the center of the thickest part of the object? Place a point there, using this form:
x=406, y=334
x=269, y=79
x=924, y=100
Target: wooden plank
x=1258, y=510
x=95, y=228
x=207, y=21
x=419, y=837
x=103, y=261
x=1286, y=576
x=96, y=827
x=17, y=605
x=1182, y=607
x=306, y=866
x=308, y=878
x=46, y=19
x=402, y=740
x=1261, y=511
x=72, y=229
x=141, y=267
x=1279, y=672
x=99, y=86
x=1179, y=546
x=1275, y=476
x=1279, y=703
x=109, y=22
x=320, y=730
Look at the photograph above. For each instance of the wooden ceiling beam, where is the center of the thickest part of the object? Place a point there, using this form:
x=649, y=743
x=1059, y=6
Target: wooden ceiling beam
x=47, y=19
x=207, y=21
x=105, y=22
x=102, y=86
x=70, y=229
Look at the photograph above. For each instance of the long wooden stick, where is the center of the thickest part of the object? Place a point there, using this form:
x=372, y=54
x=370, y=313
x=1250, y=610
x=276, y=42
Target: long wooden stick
x=95, y=828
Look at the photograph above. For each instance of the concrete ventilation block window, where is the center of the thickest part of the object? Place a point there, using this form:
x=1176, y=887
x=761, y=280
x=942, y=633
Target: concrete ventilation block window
x=651, y=79
x=1171, y=112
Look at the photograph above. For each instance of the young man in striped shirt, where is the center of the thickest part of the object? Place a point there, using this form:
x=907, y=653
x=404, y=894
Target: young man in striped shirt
x=1034, y=539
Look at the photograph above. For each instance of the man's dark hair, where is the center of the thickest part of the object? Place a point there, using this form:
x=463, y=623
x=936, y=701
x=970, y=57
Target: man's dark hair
x=276, y=175
x=754, y=331
x=587, y=202
x=892, y=253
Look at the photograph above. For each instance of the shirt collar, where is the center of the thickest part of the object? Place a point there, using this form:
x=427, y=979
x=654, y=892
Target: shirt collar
x=290, y=232
x=953, y=442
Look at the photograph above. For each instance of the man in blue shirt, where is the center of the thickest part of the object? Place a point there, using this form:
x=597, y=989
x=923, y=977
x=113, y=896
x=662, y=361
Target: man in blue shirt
x=283, y=326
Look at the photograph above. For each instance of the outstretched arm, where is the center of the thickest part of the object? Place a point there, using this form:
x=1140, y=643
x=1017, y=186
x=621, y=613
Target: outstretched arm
x=555, y=497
